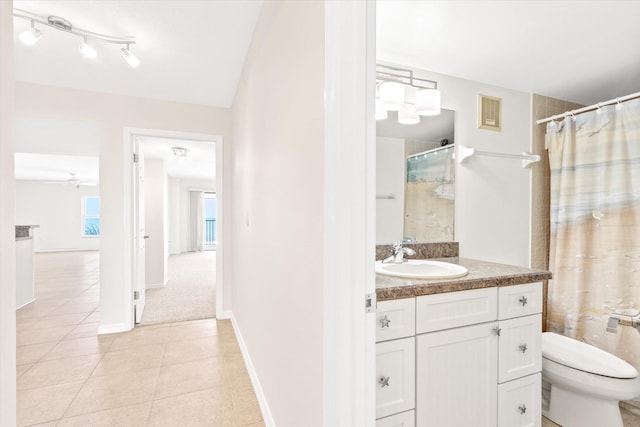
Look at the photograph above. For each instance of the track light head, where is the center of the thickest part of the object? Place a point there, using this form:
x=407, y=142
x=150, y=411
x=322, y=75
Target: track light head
x=131, y=59
x=31, y=36
x=88, y=50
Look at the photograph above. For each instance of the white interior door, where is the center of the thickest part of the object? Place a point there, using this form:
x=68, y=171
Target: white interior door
x=139, y=285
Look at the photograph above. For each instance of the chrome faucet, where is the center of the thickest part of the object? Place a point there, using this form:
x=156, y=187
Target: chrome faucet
x=398, y=254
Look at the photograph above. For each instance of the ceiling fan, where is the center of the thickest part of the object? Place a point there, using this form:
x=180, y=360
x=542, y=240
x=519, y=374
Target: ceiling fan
x=72, y=181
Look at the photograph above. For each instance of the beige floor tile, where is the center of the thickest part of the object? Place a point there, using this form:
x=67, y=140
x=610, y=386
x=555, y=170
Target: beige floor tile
x=630, y=419
x=33, y=352
x=259, y=424
x=42, y=335
x=128, y=416
x=92, y=318
x=548, y=423
x=114, y=391
x=247, y=414
x=189, y=377
x=140, y=336
x=206, y=408
x=73, y=308
x=51, y=424
x=60, y=320
x=130, y=359
x=80, y=347
x=190, y=350
x=192, y=330
x=21, y=369
x=45, y=404
x=84, y=330
x=60, y=371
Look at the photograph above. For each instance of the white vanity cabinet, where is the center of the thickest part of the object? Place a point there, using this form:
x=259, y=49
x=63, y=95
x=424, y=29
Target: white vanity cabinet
x=395, y=363
x=478, y=357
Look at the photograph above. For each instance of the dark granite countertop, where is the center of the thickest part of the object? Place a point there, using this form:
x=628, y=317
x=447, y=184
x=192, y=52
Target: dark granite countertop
x=482, y=274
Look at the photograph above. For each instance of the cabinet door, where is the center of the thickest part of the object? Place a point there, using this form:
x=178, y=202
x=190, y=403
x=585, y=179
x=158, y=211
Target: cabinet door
x=395, y=369
x=405, y=419
x=395, y=319
x=457, y=374
x=519, y=402
x=520, y=351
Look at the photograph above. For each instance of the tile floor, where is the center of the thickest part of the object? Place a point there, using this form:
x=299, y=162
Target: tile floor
x=186, y=373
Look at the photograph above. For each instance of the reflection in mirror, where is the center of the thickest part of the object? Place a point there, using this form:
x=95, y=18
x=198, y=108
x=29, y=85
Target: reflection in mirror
x=415, y=179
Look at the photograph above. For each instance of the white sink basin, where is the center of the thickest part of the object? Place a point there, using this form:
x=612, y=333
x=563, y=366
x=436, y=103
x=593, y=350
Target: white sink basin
x=421, y=269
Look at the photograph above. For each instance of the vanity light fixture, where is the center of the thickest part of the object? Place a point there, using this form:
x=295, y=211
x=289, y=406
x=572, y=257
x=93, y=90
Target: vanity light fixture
x=394, y=92
x=182, y=155
x=32, y=35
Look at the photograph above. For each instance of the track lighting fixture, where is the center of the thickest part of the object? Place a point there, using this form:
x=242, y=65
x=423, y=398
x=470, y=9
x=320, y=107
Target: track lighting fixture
x=32, y=35
x=87, y=50
x=396, y=88
x=182, y=155
x=131, y=59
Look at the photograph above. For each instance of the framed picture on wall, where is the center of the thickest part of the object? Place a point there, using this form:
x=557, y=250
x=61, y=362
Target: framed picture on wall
x=489, y=113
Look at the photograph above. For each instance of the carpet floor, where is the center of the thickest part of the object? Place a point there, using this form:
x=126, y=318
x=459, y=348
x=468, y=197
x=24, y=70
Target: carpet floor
x=190, y=293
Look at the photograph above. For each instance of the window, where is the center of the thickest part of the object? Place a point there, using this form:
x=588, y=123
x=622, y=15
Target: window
x=91, y=216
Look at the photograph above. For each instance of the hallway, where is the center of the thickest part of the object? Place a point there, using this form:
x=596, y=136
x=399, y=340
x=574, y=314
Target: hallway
x=185, y=373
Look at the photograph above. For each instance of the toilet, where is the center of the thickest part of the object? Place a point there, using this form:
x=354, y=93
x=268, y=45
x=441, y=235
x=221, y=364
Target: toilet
x=582, y=385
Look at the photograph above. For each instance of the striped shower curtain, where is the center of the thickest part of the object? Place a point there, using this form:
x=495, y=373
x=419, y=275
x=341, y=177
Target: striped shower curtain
x=595, y=226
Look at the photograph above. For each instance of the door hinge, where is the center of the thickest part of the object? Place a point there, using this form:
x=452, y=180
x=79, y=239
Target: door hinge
x=370, y=303
x=136, y=295
x=135, y=158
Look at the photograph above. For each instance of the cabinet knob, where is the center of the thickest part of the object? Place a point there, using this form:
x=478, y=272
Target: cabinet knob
x=383, y=381
x=384, y=322
x=522, y=408
x=523, y=348
x=497, y=331
x=523, y=300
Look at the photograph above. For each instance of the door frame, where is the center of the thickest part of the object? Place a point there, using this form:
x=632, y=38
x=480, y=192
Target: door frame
x=129, y=224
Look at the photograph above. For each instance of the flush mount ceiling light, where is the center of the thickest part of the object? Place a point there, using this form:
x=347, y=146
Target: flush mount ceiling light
x=32, y=35
x=396, y=85
x=180, y=154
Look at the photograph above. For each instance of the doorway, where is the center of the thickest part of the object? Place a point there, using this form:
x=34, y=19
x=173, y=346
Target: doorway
x=173, y=278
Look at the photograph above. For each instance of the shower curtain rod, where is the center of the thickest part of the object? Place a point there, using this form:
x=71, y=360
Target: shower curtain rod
x=590, y=108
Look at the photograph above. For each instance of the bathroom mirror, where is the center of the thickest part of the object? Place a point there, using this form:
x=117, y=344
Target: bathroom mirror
x=415, y=179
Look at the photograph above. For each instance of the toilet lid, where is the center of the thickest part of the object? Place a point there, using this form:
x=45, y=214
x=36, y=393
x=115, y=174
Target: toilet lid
x=584, y=357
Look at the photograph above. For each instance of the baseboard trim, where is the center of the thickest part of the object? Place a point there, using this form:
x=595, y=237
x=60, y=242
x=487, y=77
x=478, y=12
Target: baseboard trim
x=25, y=304
x=42, y=251
x=224, y=315
x=156, y=286
x=113, y=328
x=262, y=400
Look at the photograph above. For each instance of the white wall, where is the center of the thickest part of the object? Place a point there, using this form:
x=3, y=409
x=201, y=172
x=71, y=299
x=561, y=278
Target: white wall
x=390, y=180
x=278, y=218
x=111, y=114
x=185, y=186
x=174, y=210
x=57, y=209
x=155, y=213
x=493, y=195
x=7, y=222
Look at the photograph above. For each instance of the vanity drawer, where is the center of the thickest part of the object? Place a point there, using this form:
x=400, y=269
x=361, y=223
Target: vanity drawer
x=519, y=402
x=395, y=319
x=395, y=376
x=519, y=347
x=454, y=309
x=519, y=300
x=405, y=419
